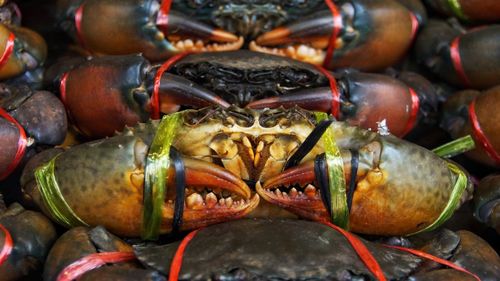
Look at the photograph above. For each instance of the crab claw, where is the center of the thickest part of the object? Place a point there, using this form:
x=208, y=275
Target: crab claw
x=212, y=195
x=365, y=30
x=316, y=99
x=176, y=91
x=295, y=190
x=315, y=31
x=186, y=34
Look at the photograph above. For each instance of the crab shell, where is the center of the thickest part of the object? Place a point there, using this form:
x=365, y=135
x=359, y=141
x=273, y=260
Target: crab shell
x=401, y=188
x=478, y=51
x=299, y=250
x=32, y=235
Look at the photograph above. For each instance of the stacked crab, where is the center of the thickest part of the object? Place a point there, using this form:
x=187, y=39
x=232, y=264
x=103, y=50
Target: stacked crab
x=246, y=140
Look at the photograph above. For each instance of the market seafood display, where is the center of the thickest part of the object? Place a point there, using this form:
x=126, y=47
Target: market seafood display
x=246, y=140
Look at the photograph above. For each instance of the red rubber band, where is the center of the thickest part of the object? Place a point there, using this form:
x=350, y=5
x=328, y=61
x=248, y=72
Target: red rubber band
x=335, y=108
x=363, y=252
x=415, y=105
x=92, y=261
x=414, y=26
x=479, y=134
x=62, y=88
x=9, y=48
x=162, y=18
x=457, y=61
x=435, y=259
x=78, y=25
x=175, y=266
x=21, y=144
x=155, y=98
x=8, y=244
x=337, y=25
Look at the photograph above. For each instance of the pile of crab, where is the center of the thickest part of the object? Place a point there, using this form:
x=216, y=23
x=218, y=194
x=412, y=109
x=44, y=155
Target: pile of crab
x=249, y=140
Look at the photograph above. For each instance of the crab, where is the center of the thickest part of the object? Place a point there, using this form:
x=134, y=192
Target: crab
x=256, y=249
x=223, y=150
x=104, y=94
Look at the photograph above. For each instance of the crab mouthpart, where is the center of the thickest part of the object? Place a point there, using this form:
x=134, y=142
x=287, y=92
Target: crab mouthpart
x=295, y=190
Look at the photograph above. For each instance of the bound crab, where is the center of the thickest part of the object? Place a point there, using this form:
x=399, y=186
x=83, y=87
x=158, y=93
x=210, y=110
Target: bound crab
x=395, y=187
x=103, y=95
x=358, y=30
x=318, y=252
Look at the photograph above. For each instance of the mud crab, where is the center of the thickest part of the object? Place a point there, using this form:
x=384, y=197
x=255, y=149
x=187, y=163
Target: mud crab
x=364, y=34
x=105, y=94
x=473, y=112
x=28, y=120
x=29, y=235
x=223, y=149
x=310, y=251
x=464, y=58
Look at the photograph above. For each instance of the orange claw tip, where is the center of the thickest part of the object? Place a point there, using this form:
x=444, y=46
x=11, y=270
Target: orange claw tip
x=205, y=174
x=221, y=35
x=274, y=37
x=301, y=174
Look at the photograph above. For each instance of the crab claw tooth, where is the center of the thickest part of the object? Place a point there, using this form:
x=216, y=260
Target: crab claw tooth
x=201, y=173
x=315, y=29
x=302, y=203
x=317, y=99
x=301, y=174
x=182, y=26
x=176, y=91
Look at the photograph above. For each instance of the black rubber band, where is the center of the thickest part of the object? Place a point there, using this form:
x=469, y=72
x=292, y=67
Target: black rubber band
x=321, y=173
x=308, y=144
x=354, y=174
x=180, y=184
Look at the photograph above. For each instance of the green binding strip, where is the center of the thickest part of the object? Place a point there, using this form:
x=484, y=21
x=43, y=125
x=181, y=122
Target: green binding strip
x=52, y=197
x=156, y=173
x=455, y=147
x=340, y=211
x=457, y=9
x=456, y=194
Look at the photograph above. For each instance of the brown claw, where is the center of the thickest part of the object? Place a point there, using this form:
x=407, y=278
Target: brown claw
x=176, y=91
x=187, y=34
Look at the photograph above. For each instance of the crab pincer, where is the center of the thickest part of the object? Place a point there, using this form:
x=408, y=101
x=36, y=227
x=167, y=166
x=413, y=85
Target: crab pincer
x=367, y=35
x=133, y=26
